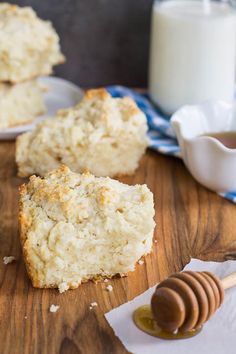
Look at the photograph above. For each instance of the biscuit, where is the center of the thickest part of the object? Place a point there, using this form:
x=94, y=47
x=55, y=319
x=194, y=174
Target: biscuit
x=104, y=135
x=20, y=103
x=76, y=227
x=29, y=46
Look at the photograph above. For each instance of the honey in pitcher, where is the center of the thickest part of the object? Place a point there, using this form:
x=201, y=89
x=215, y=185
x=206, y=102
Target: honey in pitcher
x=228, y=139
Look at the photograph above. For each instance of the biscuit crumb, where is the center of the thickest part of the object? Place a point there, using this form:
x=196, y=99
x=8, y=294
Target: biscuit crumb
x=105, y=281
x=63, y=287
x=109, y=288
x=140, y=262
x=92, y=305
x=9, y=259
x=54, y=308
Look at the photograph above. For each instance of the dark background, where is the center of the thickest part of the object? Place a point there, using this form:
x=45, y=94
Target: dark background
x=105, y=41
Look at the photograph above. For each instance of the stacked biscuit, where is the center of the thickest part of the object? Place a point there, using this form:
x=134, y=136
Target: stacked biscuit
x=29, y=47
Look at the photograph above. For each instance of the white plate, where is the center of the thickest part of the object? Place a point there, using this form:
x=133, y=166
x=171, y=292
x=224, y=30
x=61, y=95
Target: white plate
x=61, y=94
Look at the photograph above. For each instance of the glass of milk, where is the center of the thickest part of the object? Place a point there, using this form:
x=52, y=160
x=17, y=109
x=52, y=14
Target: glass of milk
x=192, y=53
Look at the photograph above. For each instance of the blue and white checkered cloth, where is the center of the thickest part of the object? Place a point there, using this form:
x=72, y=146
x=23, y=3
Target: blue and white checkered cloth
x=161, y=135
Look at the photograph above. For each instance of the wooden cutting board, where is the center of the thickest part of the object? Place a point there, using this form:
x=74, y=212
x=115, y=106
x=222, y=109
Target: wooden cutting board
x=191, y=221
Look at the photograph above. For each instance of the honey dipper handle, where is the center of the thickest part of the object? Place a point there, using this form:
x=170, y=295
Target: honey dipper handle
x=229, y=281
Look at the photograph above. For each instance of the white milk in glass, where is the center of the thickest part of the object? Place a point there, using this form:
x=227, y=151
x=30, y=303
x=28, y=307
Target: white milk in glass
x=192, y=55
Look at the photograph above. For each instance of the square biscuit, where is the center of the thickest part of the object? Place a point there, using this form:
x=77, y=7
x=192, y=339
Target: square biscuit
x=20, y=103
x=29, y=46
x=76, y=227
x=104, y=135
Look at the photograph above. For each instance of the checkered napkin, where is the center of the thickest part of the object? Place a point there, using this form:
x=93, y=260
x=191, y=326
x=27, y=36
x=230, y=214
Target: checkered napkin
x=161, y=135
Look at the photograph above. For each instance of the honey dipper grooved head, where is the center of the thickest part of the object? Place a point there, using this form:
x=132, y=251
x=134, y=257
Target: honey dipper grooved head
x=186, y=300
x=174, y=313
x=200, y=295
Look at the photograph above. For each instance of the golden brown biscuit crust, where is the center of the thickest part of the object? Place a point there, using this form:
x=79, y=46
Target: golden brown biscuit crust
x=54, y=193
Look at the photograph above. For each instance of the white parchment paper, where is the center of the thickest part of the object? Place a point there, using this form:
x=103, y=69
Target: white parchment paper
x=217, y=337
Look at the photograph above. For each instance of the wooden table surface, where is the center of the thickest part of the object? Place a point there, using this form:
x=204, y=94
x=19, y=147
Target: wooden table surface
x=191, y=221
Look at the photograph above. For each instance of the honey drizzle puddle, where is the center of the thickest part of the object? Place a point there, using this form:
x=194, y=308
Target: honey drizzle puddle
x=143, y=319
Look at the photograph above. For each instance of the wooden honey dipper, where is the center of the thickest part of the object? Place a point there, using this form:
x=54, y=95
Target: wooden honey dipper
x=186, y=300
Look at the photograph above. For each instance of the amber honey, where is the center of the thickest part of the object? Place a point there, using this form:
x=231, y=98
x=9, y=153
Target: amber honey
x=144, y=320
x=228, y=139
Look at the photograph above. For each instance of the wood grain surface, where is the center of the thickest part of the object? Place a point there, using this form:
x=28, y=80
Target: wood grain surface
x=191, y=221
